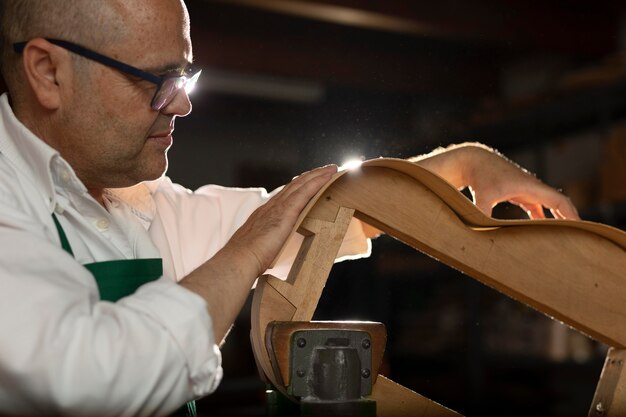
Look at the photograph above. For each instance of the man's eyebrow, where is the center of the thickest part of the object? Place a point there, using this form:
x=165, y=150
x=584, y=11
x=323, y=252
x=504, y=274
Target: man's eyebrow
x=170, y=68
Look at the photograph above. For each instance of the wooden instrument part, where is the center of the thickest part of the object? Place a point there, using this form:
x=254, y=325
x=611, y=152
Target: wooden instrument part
x=609, y=399
x=574, y=271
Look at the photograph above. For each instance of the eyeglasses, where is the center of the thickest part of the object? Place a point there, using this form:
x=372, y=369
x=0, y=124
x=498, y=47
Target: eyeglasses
x=167, y=86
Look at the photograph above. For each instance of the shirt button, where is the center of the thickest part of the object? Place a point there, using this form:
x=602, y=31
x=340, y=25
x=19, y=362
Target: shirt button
x=65, y=176
x=58, y=209
x=102, y=224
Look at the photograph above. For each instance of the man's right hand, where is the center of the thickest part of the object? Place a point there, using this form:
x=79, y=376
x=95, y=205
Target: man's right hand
x=266, y=230
x=224, y=281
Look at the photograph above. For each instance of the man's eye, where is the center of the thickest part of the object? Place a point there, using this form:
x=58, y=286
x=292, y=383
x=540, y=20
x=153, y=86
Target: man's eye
x=174, y=73
x=189, y=71
x=170, y=74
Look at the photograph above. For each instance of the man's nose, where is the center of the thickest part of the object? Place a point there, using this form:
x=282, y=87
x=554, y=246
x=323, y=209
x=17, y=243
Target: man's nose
x=179, y=106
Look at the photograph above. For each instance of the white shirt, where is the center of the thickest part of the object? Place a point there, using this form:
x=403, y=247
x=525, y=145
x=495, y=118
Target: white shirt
x=63, y=351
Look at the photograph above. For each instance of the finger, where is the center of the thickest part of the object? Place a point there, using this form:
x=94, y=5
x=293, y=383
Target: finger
x=299, y=196
x=287, y=205
x=534, y=211
x=549, y=198
x=557, y=214
x=325, y=171
x=566, y=209
x=560, y=206
x=314, y=172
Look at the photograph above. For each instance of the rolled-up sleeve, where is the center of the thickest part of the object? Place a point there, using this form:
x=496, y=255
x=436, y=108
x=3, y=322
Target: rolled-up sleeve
x=184, y=315
x=190, y=227
x=63, y=351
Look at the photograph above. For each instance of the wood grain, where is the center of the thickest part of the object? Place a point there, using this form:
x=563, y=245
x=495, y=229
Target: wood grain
x=574, y=271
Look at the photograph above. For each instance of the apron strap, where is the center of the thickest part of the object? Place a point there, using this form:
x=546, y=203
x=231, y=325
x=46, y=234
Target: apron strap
x=120, y=278
x=117, y=279
x=65, y=244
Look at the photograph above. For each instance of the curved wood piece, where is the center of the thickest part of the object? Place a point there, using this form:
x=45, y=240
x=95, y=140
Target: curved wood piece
x=571, y=270
x=395, y=400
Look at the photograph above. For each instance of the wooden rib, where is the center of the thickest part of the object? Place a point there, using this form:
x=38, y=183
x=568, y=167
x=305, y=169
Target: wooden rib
x=267, y=305
x=610, y=397
x=322, y=241
x=395, y=400
x=297, y=298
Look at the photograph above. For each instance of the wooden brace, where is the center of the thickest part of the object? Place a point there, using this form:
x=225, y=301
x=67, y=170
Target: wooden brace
x=573, y=271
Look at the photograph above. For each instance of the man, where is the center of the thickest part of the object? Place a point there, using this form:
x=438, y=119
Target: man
x=117, y=286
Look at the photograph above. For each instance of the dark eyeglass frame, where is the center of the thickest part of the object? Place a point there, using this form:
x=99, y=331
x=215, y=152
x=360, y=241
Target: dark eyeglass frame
x=167, y=87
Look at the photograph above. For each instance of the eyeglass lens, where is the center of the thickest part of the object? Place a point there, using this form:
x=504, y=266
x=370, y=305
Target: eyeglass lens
x=170, y=87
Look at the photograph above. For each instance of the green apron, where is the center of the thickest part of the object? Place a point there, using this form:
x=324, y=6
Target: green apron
x=117, y=279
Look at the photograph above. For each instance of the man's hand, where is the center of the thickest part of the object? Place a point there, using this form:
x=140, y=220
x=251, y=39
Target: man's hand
x=493, y=179
x=224, y=281
x=266, y=230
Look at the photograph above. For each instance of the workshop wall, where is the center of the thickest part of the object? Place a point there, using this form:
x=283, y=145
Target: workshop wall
x=545, y=84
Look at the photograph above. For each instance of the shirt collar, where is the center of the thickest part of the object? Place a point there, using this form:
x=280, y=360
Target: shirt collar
x=138, y=198
x=29, y=154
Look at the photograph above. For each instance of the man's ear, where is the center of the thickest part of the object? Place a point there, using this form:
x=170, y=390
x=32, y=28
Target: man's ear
x=43, y=67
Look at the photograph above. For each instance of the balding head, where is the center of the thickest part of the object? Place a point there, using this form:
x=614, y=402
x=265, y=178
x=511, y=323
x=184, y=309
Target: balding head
x=86, y=22
x=94, y=24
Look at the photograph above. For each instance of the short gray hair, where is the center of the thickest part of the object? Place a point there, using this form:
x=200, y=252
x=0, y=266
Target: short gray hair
x=92, y=23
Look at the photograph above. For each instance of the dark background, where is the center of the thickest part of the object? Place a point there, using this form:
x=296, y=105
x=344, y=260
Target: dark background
x=290, y=85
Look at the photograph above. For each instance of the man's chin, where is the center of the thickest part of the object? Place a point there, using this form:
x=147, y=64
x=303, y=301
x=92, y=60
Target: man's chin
x=156, y=174
x=152, y=172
